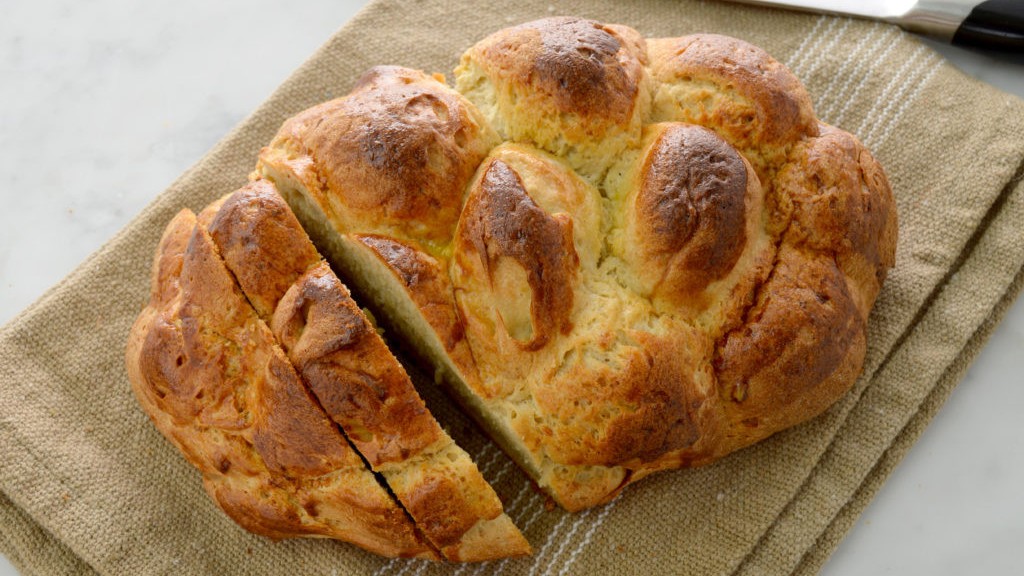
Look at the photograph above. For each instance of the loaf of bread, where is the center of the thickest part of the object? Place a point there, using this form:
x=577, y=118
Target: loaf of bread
x=621, y=255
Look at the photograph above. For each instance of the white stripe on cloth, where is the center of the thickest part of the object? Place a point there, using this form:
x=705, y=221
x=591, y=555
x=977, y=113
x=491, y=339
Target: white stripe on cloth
x=514, y=506
x=580, y=519
x=587, y=536
x=796, y=57
x=505, y=467
x=410, y=564
x=465, y=567
x=814, y=50
x=871, y=117
x=819, y=57
x=385, y=569
x=847, y=102
x=490, y=453
x=423, y=566
x=857, y=59
x=927, y=69
x=547, y=544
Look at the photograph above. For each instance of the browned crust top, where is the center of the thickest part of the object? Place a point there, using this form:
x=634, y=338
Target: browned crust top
x=767, y=108
x=426, y=282
x=692, y=205
x=398, y=150
x=501, y=220
x=801, y=347
x=351, y=371
x=835, y=198
x=583, y=65
x=262, y=243
x=347, y=366
x=634, y=410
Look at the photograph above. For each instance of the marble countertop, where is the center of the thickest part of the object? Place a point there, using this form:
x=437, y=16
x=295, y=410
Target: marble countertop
x=104, y=104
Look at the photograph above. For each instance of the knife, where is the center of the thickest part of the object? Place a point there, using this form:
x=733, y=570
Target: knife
x=990, y=25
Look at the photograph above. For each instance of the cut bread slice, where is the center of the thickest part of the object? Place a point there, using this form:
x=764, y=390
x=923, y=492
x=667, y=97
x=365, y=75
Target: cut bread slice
x=355, y=377
x=212, y=379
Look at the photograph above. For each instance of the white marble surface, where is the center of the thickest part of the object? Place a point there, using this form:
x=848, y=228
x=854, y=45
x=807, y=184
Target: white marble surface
x=104, y=103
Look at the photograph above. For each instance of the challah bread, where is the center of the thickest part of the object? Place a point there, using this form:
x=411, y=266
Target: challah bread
x=621, y=255
x=668, y=259
x=208, y=372
x=355, y=378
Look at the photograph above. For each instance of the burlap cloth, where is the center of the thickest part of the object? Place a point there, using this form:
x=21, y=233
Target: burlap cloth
x=88, y=484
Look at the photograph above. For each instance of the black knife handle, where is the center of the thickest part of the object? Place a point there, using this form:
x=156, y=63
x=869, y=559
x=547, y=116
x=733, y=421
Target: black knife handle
x=993, y=25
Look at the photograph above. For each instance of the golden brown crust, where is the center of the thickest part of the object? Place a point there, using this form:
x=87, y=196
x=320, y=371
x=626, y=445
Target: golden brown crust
x=501, y=221
x=571, y=86
x=254, y=225
x=801, y=348
x=581, y=65
x=628, y=412
x=327, y=337
x=733, y=88
x=351, y=372
x=450, y=500
x=207, y=371
x=399, y=150
x=364, y=389
x=691, y=208
x=426, y=282
x=834, y=198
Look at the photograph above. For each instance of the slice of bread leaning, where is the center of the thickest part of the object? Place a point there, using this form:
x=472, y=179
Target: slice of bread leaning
x=212, y=379
x=355, y=378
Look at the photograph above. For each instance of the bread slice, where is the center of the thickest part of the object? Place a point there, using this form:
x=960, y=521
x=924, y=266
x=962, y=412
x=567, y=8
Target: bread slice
x=666, y=260
x=355, y=378
x=207, y=371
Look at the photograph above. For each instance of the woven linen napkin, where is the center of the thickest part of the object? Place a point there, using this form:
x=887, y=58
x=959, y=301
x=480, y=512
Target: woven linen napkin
x=87, y=484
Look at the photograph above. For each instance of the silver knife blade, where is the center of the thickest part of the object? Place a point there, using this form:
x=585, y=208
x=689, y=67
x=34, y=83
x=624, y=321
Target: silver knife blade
x=937, y=18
